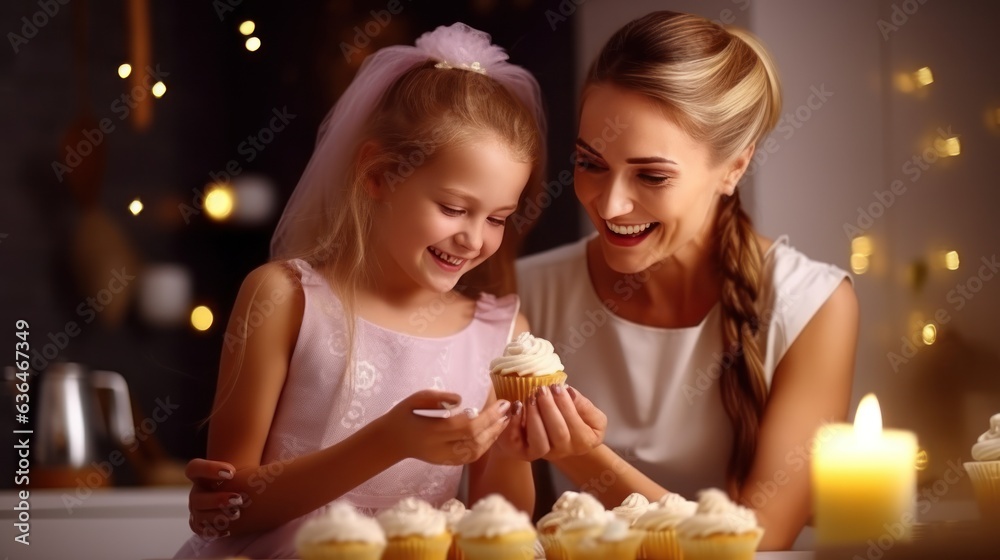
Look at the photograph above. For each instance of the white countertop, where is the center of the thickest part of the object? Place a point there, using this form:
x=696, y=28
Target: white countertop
x=109, y=524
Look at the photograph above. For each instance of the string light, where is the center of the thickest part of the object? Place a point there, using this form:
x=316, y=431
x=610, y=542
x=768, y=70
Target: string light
x=253, y=44
x=859, y=263
x=951, y=260
x=201, y=318
x=219, y=202
x=928, y=334
x=923, y=77
x=135, y=207
x=124, y=70
x=861, y=250
x=948, y=147
x=158, y=89
x=247, y=27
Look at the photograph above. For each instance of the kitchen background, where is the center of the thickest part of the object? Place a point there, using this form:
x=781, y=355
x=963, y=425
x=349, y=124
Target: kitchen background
x=128, y=202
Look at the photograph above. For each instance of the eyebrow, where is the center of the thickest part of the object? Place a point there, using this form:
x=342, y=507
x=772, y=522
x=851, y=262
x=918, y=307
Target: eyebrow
x=653, y=159
x=466, y=197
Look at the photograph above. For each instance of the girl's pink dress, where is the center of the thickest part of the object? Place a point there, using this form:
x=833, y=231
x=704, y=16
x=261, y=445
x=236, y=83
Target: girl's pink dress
x=388, y=366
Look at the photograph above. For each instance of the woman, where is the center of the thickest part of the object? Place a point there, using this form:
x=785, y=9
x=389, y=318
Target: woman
x=715, y=353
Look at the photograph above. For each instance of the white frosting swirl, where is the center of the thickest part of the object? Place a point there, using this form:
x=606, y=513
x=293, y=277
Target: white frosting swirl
x=633, y=507
x=616, y=530
x=987, y=448
x=493, y=516
x=717, y=514
x=412, y=516
x=454, y=510
x=670, y=510
x=527, y=356
x=339, y=523
x=570, y=505
x=588, y=520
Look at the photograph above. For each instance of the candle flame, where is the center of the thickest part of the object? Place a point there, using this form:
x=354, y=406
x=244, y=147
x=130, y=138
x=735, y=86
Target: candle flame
x=868, y=419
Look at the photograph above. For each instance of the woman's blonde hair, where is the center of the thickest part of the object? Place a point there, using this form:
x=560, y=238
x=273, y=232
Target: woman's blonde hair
x=720, y=86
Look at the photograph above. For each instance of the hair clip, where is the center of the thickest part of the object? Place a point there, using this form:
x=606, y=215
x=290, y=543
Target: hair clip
x=474, y=67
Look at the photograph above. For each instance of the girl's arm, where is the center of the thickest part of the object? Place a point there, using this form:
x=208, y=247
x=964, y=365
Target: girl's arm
x=501, y=472
x=252, y=373
x=811, y=386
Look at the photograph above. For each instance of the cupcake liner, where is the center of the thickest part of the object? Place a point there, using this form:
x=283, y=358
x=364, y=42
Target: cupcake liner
x=341, y=551
x=553, y=546
x=660, y=545
x=557, y=545
x=519, y=545
x=418, y=548
x=721, y=547
x=985, y=478
x=595, y=549
x=516, y=388
x=455, y=552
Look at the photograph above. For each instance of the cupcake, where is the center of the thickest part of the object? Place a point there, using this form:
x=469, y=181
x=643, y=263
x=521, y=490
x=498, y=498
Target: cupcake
x=414, y=531
x=527, y=363
x=633, y=507
x=569, y=509
x=340, y=533
x=454, y=511
x=984, y=471
x=658, y=525
x=495, y=530
x=719, y=530
x=614, y=539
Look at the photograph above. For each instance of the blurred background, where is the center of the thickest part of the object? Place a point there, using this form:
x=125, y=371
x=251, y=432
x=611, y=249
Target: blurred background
x=149, y=147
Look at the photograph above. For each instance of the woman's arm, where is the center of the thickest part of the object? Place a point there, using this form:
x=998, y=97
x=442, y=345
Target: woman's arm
x=607, y=476
x=501, y=472
x=811, y=386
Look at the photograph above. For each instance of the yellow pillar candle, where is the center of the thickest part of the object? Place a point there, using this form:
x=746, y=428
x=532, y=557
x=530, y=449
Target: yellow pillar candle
x=864, y=480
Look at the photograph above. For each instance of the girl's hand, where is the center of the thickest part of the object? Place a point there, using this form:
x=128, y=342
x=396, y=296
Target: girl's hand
x=458, y=440
x=556, y=422
x=208, y=504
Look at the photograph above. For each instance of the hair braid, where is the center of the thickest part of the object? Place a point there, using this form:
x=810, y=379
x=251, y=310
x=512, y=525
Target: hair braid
x=742, y=384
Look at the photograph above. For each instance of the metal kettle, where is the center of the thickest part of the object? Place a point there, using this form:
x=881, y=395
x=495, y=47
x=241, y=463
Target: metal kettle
x=70, y=431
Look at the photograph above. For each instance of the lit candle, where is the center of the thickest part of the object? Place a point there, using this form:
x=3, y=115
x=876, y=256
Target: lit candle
x=864, y=480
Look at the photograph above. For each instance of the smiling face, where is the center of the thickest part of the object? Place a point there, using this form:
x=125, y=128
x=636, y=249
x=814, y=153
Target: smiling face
x=447, y=217
x=649, y=188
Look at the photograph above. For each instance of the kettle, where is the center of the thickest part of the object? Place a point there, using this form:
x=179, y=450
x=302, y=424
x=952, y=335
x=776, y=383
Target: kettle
x=71, y=435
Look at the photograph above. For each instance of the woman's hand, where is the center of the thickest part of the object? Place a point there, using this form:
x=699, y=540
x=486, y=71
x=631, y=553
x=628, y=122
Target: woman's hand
x=458, y=440
x=208, y=503
x=556, y=422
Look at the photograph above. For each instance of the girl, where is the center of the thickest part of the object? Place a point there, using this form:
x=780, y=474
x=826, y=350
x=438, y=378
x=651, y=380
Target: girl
x=415, y=172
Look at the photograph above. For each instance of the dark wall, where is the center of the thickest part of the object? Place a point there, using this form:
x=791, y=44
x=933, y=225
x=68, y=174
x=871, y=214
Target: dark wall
x=218, y=94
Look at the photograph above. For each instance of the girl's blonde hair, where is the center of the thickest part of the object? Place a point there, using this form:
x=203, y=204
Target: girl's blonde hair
x=428, y=109
x=720, y=86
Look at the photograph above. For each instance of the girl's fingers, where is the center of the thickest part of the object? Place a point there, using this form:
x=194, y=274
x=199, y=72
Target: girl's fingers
x=213, y=501
x=432, y=399
x=209, y=474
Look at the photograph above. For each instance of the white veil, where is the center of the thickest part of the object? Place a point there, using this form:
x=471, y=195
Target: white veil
x=306, y=217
